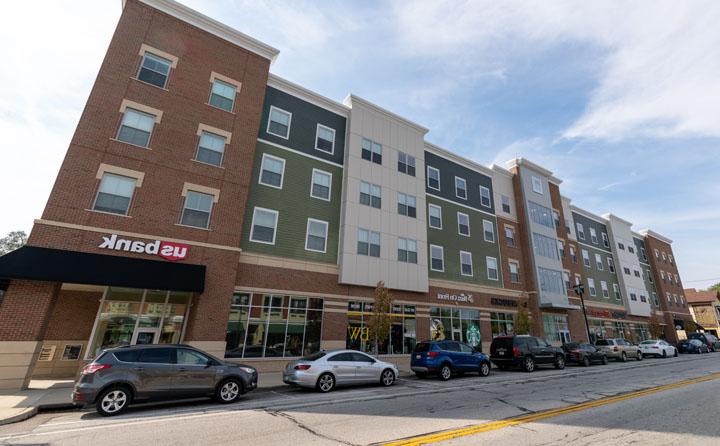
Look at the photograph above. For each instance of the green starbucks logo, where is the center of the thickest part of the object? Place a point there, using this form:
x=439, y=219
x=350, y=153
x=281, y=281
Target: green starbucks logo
x=472, y=335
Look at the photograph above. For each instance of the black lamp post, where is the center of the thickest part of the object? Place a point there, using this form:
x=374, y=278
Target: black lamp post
x=579, y=290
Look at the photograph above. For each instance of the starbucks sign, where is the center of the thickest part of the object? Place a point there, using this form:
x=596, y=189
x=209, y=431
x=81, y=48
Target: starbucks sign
x=472, y=335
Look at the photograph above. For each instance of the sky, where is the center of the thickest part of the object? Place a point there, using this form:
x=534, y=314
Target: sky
x=621, y=100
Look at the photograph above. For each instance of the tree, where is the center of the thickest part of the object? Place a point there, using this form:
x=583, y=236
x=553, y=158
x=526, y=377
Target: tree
x=715, y=287
x=12, y=241
x=522, y=321
x=656, y=330
x=379, y=323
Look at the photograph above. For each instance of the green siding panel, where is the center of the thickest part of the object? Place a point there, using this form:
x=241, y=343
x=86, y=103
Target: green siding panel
x=295, y=206
x=598, y=276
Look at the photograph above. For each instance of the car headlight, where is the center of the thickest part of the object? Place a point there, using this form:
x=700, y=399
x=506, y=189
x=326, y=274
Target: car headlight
x=249, y=370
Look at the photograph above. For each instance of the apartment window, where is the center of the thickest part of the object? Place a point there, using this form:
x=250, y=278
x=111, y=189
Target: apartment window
x=505, y=203
x=437, y=258
x=197, y=209
x=279, y=122
x=460, y=188
x=655, y=299
x=551, y=281
x=567, y=226
x=580, y=231
x=510, y=236
x=626, y=270
x=514, y=272
x=637, y=273
x=573, y=254
x=591, y=286
x=556, y=218
x=492, y=268
x=611, y=265
x=368, y=243
x=669, y=276
x=407, y=250
x=537, y=186
x=489, y=231
x=545, y=246
x=649, y=276
x=682, y=301
x=561, y=248
x=616, y=290
x=114, y=194
x=466, y=266
x=604, y=288
x=407, y=205
x=154, y=70
x=210, y=148
x=406, y=163
x=598, y=262
x=370, y=195
x=664, y=257
x=371, y=151
x=662, y=275
x=667, y=293
x=593, y=236
x=631, y=250
x=643, y=298
x=463, y=224
x=316, y=235
x=586, y=258
x=566, y=279
x=485, y=196
x=433, y=178
x=264, y=226
x=644, y=254
x=435, y=213
x=657, y=254
x=606, y=241
x=670, y=258
x=633, y=296
x=541, y=215
x=222, y=95
x=325, y=139
x=621, y=246
x=272, y=171
x=321, y=184
x=136, y=127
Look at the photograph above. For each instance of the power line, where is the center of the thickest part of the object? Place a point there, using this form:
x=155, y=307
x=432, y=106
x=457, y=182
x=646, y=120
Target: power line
x=700, y=280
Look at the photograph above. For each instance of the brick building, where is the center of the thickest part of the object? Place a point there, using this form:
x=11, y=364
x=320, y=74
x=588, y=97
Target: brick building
x=204, y=200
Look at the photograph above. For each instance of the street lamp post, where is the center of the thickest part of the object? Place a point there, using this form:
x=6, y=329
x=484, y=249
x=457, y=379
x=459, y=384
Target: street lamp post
x=579, y=290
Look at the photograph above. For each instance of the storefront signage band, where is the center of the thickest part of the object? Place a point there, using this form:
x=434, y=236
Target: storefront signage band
x=456, y=297
x=608, y=314
x=503, y=302
x=167, y=250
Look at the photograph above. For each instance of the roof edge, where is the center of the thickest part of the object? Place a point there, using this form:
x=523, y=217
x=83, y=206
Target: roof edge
x=472, y=165
x=653, y=234
x=351, y=98
x=310, y=96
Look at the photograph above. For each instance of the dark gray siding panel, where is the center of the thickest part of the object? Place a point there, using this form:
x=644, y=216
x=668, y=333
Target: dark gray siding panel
x=303, y=126
x=587, y=224
x=448, y=171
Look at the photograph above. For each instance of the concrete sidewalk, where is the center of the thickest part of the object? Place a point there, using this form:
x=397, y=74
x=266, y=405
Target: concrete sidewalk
x=41, y=394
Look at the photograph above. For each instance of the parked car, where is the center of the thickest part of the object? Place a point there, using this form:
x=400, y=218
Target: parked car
x=694, y=346
x=326, y=370
x=708, y=339
x=657, y=347
x=121, y=376
x=446, y=358
x=583, y=354
x=619, y=349
x=525, y=352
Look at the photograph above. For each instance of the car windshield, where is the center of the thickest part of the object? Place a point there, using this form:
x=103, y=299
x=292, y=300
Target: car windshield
x=647, y=342
x=422, y=347
x=695, y=335
x=695, y=342
x=571, y=345
x=602, y=342
x=313, y=357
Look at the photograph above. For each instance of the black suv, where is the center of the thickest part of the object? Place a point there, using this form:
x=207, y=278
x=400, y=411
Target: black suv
x=525, y=352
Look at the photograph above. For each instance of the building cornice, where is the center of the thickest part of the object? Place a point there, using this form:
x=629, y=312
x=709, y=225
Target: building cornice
x=472, y=165
x=588, y=214
x=530, y=165
x=303, y=93
x=653, y=234
x=351, y=99
x=501, y=170
x=212, y=26
x=610, y=216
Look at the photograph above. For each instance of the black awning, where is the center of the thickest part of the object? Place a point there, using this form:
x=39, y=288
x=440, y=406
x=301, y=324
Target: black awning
x=57, y=265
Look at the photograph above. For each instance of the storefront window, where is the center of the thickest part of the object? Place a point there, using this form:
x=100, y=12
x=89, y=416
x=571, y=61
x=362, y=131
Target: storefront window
x=641, y=332
x=458, y=324
x=273, y=326
x=621, y=330
x=402, y=329
x=556, y=328
x=501, y=324
x=597, y=330
x=135, y=316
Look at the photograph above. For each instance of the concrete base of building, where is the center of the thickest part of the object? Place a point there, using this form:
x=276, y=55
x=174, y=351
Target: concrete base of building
x=215, y=348
x=16, y=359
x=60, y=366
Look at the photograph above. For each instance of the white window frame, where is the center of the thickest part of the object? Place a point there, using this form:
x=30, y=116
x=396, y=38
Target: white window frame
x=468, y=225
x=485, y=231
x=616, y=291
x=516, y=264
x=252, y=225
x=312, y=183
x=537, y=185
x=210, y=213
x=487, y=268
x=307, y=234
x=464, y=181
x=267, y=130
x=132, y=196
x=442, y=251
x=502, y=204
x=282, y=175
x=593, y=235
x=591, y=287
x=489, y=196
x=430, y=205
x=606, y=240
x=472, y=270
x=580, y=231
x=604, y=289
x=585, y=256
x=429, y=168
x=317, y=134
x=599, y=262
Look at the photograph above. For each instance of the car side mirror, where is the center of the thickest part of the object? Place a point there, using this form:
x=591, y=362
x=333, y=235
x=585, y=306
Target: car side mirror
x=209, y=363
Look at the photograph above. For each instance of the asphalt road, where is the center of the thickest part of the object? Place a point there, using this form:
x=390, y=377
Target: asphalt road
x=680, y=415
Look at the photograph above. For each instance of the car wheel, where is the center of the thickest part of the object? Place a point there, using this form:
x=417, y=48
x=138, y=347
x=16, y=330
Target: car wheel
x=484, y=369
x=113, y=401
x=228, y=391
x=325, y=383
x=586, y=362
x=387, y=378
x=559, y=362
x=623, y=357
x=445, y=372
x=664, y=353
x=528, y=364
x=421, y=375
x=639, y=356
x=604, y=360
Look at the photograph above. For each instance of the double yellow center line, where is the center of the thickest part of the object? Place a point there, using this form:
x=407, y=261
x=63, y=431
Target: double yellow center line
x=485, y=427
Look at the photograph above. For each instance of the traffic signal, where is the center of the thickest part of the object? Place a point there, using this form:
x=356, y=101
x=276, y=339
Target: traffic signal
x=579, y=289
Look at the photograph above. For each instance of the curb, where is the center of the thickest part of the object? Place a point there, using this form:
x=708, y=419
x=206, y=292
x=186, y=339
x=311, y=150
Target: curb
x=22, y=416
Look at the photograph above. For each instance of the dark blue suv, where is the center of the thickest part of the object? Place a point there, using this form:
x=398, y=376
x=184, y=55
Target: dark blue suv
x=447, y=357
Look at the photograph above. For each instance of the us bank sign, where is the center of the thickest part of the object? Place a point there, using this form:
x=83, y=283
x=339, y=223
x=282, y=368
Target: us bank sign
x=456, y=297
x=168, y=250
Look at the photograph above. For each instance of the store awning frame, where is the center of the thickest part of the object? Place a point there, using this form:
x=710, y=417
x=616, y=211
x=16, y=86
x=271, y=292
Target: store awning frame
x=57, y=265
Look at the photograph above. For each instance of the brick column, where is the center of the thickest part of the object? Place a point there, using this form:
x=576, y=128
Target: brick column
x=24, y=317
x=334, y=329
x=576, y=323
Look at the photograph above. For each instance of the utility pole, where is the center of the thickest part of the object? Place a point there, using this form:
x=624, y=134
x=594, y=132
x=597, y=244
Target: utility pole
x=579, y=290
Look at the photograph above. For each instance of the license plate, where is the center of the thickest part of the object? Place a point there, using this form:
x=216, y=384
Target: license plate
x=418, y=356
x=501, y=351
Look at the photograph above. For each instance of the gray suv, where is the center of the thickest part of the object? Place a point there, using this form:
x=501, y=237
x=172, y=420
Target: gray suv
x=121, y=376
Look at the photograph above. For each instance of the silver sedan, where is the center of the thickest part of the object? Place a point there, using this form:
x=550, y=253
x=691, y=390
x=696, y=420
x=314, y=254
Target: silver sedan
x=326, y=370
